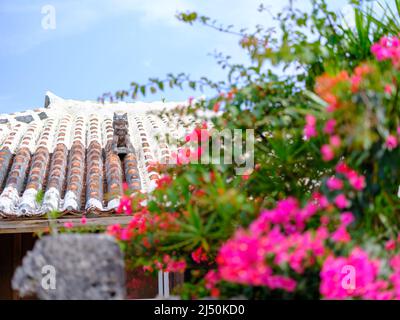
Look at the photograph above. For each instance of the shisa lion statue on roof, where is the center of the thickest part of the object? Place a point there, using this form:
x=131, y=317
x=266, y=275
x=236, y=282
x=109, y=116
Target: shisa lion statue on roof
x=121, y=142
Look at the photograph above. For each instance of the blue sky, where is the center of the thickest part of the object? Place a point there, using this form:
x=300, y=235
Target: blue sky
x=103, y=45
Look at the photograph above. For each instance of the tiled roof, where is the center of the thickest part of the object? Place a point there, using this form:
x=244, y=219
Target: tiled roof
x=66, y=150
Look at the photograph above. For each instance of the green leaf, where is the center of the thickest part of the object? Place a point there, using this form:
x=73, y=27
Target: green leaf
x=143, y=90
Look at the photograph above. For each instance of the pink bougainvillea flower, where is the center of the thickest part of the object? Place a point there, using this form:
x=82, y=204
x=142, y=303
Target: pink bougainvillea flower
x=278, y=233
x=341, y=201
x=83, y=220
x=183, y=156
x=158, y=265
x=126, y=234
x=327, y=152
x=329, y=127
x=125, y=205
x=148, y=268
x=173, y=265
x=212, y=278
x=380, y=49
x=334, y=183
x=309, y=132
x=322, y=231
x=341, y=235
x=346, y=218
x=335, y=141
x=310, y=129
x=388, y=89
x=391, y=142
x=242, y=260
x=395, y=276
x=68, y=225
x=164, y=181
x=320, y=200
x=311, y=120
x=324, y=220
x=353, y=276
x=342, y=168
x=114, y=230
x=285, y=211
x=215, y=292
x=390, y=245
x=356, y=181
x=199, y=255
x=387, y=48
x=198, y=134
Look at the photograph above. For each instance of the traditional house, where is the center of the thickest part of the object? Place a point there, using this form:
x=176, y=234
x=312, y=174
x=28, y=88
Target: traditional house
x=73, y=157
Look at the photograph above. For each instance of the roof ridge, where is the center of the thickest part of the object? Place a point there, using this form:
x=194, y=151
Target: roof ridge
x=51, y=98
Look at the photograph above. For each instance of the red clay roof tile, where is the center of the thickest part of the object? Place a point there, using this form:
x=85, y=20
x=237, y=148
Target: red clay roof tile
x=66, y=151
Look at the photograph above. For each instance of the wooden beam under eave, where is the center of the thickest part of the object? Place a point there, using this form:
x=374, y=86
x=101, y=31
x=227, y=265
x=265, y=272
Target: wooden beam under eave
x=42, y=225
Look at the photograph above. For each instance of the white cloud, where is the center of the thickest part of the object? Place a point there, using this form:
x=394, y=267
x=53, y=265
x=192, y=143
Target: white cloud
x=155, y=10
x=76, y=16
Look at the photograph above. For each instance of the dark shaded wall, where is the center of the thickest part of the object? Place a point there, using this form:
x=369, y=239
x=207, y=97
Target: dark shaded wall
x=13, y=248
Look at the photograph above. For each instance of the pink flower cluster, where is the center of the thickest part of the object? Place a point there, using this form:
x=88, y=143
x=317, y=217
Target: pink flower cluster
x=395, y=276
x=391, y=142
x=259, y=256
x=194, y=148
x=199, y=255
x=355, y=180
x=243, y=260
x=388, y=48
x=355, y=276
x=167, y=264
x=172, y=265
x=198, y=134
x=310, y=129
x=328, y=150
x=183, y=155
x=275, y=239
x=341, y=235
x=329, y=127
x=287, y=214
x=334, y=183
x=211, y=280
x=137, y=225
x=125, y=205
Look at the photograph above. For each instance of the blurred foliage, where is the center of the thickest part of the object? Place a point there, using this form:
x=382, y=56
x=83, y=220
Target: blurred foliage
x=273, y=95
